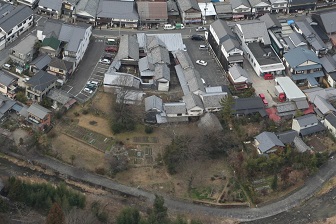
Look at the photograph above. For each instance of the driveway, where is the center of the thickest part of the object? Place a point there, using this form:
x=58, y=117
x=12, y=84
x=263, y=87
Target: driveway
x=87, y=70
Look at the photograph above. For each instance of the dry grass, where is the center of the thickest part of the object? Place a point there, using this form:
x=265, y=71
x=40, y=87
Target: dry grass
x=328, y=186
x=85, y=156
x=102, y=125
x=103, y=102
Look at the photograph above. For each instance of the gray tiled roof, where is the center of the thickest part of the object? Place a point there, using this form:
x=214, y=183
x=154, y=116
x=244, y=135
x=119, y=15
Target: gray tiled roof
x=51, y=4
x=331, y=118
x=318, y=91
x=295, y=57
x=210, y=123
x=323, y=105
x=41, y=80
x=175, y=108
x=38, y=111
x=270, y=20
x=6, y=79
x=253, y=3
x=328, y=63
x=128, y=47
x=287, y=137
x=185, y=5
x=268, y=140
x=301, y=2
x=328, y=20
x=59, y=96
x=300, y=145
x=213, y=99
x=117, y=10
x=154, y=41
x=73, y=35
x=191, y=100
x=223, y=8
x=306, y=120
x=248, y=105
x=184, y=59
x=41, y=61
x=254, y=29
x=144, y=64
x=5, y=105
x=297, y=39
x=313, y=129
x=236, y=3
x=61, y=64
x=153, y=102
x=236, y=72
x=310, y=35
x=16, y=16
x=26, y=45
x=162, y=71
x=159, y=55
x=87, y=8
x=5, y=8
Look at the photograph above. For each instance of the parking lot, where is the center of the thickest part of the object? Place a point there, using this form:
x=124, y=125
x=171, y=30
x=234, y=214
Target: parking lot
x=212, y=73
x=89, y=69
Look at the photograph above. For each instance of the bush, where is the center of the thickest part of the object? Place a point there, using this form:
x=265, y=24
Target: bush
x=85, y=111
x=100, y=171
x=117, y=127
x=76, y=114
x=3, y=205
x=149, y=129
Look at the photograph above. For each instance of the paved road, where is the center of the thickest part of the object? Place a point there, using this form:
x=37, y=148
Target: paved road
x=247, y=214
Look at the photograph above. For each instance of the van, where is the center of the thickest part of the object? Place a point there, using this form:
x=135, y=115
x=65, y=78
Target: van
x=203, y=47
x=168, y=27
x=179, y=26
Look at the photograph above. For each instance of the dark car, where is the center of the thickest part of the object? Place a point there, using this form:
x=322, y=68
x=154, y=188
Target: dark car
x=197, y=37
x=111, y=49
x=108, y=56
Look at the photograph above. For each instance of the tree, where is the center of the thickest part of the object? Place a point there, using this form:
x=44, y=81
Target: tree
x=55, y=215
x=21, y=97
x=159, y=214
x=128, y=216
x=227, y=110
x=274, y=184
x=79, y=216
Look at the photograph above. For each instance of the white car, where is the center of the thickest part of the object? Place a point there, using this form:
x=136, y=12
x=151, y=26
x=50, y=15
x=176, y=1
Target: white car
x=201, y=28
x=201, y=62
x=88, y=90
x=92, y=83
x=104, y=61
x=203, y=81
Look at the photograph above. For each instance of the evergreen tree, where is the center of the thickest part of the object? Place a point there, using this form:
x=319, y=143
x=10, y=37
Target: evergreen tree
x=129, y=216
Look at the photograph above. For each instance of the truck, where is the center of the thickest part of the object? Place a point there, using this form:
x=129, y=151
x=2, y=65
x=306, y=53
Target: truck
x=280, y=93
x=179, y=26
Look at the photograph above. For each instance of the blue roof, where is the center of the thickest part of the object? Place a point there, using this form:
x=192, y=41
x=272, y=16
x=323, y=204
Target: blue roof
x=299, y=55
x=17, y=107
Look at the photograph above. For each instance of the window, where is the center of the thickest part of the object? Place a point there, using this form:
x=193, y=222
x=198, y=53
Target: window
x=317, y=69
x=299, y=72
x=179, y=114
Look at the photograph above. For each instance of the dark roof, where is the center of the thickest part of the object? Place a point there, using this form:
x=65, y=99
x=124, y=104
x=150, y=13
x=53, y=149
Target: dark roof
x=287, y=137
x=41, y=61
x=268, y=140
x=331, y=118
x=313, y=129
x=6, y=79
x=261, y=52
x=248, y=105
x=326, y=19
x=301, y=2
x=59, y=63
x=18, y=15
x=52, y=42
x=41, y=80
x=117, y=9
x=188, y=4
x=270, y=20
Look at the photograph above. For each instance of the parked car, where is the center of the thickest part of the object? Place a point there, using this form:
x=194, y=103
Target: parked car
x=261, y=95
x=108, y=56
x=201, y=28
x=91, y=86
x=7, y=66
x=201, y=62
x=265, y=102
x=203, y=81
x=203, y=47
x=104, y=61
x=197, y=37
x=168, y=27
x=93, y=83
x=111, y=49
x=88, y=90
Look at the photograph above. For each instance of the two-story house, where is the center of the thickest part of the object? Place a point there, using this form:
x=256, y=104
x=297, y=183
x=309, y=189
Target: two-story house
x=60, y=68
x=75, y=38
x=260, y=7
x=225, y=44
x=190, y=11
x=241, y=9
x=152, y=12
x=68, y=7
x=279, y=6
x=8, y=84
x=39, y=63
x=297, y=5
x=39, y=116
x=52, y=8
x=23, y=52
x=267, y=142
x=303, y=66
x=15, y=22
x=330, y=123
x=38, y=86
x=6, y=106
x=307, y=125
x=51, y=46
x=193, y=104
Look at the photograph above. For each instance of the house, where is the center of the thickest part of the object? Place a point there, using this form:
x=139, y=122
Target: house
x=39, y=63
x=194, y=104
x=223, y=10
x=6, y=106
x=74, y=38
x=14, y=23
x=252, y=31
x=325, y=93
x=212, y=101
x=60, y=68
x=325, y=21
x=8, y=84
x=225, y=44
x=117, y=13
x=153, y=103
x=297, y=40
x=314, y=40
x=31, y=3
x=152, y=12
x=175, y=109
x=172, y=9
x=279, y=6
x=272, y=23
x=287, y=137
x=162, y=77
x=208, y=11
x=39, y=116
x=68, y=7
x=23, y=52
x=39, y=85
x=323, y=107
x=51, y=46
x=260, y=7
x=330, y=123
x=297, y=5
x=267, y=142
x=329, y=67
x=250, y=105
x=116, y=80
x=52, y=8
x=239, y=78
x=303, y=66
x=210, y=123
x=86, y=11
x=190, y=11
x=307, y=125
x=128, y=52
x=241, y=9
x=60, y=99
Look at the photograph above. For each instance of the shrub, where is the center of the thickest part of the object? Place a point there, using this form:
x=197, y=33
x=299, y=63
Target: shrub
x=100, y=171
x=85, y=111
x=149, y=129
x=76, y=114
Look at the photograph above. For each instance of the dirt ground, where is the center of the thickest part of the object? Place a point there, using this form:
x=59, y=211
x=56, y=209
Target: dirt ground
x=320, y=143
x=85, y=156
x=19, y=133
x=101, y=126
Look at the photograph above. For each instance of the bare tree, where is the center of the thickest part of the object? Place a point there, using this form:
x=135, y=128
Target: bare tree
x=79, y=216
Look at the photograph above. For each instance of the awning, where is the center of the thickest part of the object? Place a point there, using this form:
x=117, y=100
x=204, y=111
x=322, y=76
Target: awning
x=236, y=58
x=312, y=82
x=238, y=16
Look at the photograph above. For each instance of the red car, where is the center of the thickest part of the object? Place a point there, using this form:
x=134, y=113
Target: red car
x=262, y=96
x=111, y=49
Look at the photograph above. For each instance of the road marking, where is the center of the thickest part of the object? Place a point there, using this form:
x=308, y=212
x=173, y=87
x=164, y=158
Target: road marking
x=71, y=87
